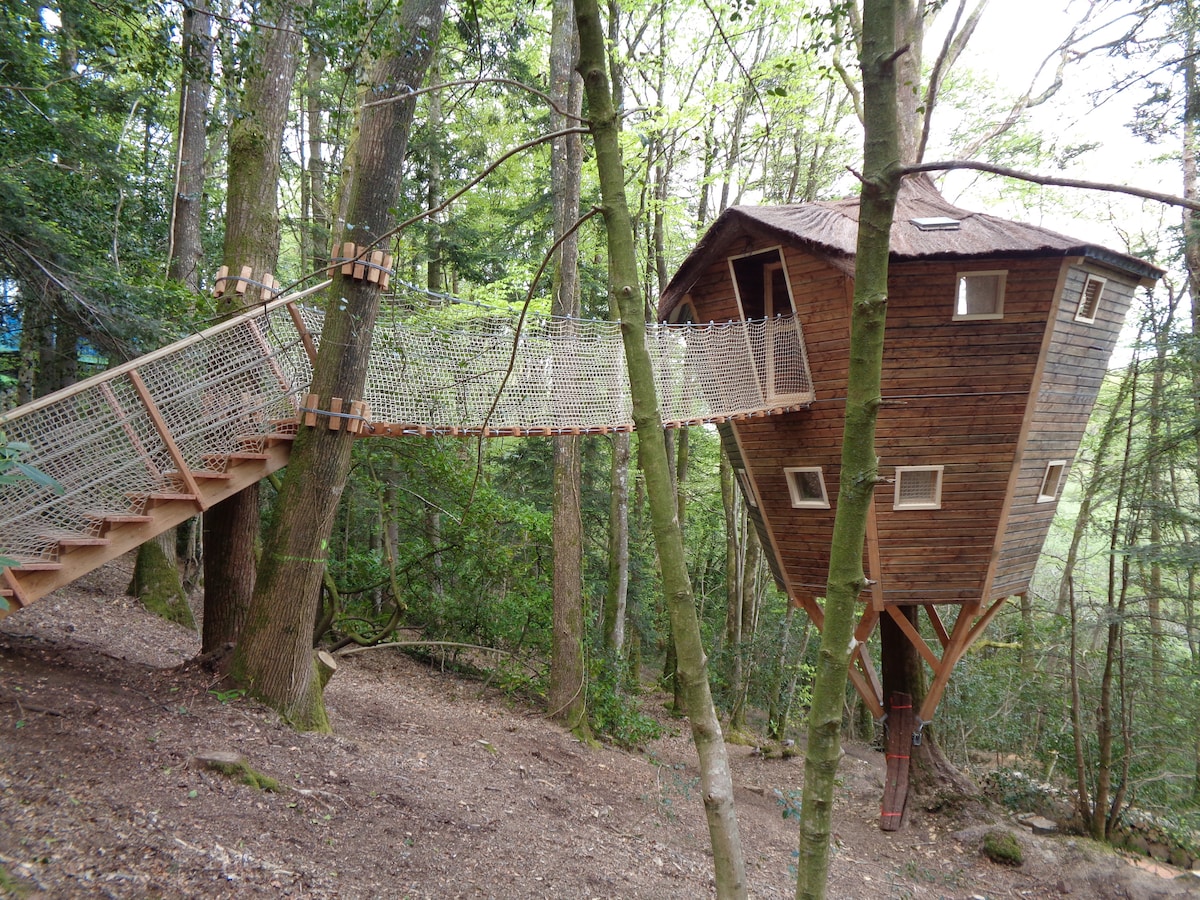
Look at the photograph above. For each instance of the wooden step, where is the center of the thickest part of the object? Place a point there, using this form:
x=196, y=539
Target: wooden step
x=238, y=456
x=265, y=440
x=36, y=565
x=198, y=475
x=109, y=519
x=155, y=497
x=66, y=540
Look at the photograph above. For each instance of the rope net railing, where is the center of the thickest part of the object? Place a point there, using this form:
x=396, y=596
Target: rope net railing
x=118, y=440
x=556, y=376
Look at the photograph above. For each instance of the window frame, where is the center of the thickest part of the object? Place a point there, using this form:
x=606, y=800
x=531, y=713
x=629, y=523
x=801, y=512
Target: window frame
x=746, y=483
x=799, y=502
x=1043, y=497
x=935, y=502
x=1081, y=310
x=1001, y=276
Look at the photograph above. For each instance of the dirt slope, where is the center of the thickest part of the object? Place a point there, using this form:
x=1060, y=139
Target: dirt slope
x=432, y=787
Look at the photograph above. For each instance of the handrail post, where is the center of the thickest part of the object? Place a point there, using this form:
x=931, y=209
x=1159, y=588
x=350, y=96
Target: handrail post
x=160, y=424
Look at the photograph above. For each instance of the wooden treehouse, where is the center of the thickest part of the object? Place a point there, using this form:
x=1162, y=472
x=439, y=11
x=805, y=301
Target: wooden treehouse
x=998, y=336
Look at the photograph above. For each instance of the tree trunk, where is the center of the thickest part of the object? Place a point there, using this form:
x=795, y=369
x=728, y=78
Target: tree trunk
x=881, y=179
x=628, y=306
x=156, y=582
x=274, y=658
x=159, y=583
x=187, y=213
x=616, y=595
x=251, y=239
x=568, y=665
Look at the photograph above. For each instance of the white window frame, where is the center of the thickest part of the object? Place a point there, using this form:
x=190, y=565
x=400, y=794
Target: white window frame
x=747, y=486
x=1061, y=465
x=798, y=501
x=1001, y=276
x=1081, y=311
x=934, y=502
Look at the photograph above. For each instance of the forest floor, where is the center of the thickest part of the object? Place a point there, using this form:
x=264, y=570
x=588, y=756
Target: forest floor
x=432, y=786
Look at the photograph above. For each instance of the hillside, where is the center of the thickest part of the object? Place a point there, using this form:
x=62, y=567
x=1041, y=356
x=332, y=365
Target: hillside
x=433, y=786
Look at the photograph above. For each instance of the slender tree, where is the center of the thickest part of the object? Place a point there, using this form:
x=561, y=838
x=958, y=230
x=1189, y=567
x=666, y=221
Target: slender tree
x=627, y=302
x=880, y=183
x=568, y=665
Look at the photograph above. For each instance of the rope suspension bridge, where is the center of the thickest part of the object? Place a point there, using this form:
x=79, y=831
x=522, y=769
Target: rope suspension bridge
x=148, y=444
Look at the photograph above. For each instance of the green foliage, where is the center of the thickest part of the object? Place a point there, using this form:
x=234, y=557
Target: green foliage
x=615, y=713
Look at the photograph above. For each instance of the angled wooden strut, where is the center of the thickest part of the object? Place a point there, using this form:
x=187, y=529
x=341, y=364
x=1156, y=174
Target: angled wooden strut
x=971, y=622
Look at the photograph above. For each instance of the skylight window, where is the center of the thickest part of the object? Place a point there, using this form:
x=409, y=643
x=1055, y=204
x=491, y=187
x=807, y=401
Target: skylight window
x=1051, y=481
x=936, y=223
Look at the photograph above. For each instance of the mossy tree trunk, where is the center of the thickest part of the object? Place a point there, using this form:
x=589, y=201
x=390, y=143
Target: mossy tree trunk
x=251, y=239
x=274, y=658
x=627, y=301
x=881, y=179
x=156, y=582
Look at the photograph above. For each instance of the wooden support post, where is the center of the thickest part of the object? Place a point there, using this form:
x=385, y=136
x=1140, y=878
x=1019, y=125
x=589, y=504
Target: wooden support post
x=310, y=346
x=185, y=471
x=936, y=621
x=18, y=597
x=899, y=750
x=963, y=635
x=915, y=637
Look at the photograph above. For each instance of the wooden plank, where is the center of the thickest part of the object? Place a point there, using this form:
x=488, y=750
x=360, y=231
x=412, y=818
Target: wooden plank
x=165, y=435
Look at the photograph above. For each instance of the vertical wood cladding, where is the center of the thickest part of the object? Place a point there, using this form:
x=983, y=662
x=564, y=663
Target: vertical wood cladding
x=957, y=393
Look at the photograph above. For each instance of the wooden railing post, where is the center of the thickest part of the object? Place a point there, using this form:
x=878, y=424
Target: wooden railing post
x=164, y=432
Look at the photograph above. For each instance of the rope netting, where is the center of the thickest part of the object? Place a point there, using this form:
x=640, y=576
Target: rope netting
x=115, y=440
x=556, y=375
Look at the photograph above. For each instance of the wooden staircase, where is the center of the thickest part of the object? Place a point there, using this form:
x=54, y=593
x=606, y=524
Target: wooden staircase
x=112, y=534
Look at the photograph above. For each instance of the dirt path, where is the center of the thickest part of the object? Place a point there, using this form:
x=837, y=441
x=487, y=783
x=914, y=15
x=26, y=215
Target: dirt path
x=431, y=787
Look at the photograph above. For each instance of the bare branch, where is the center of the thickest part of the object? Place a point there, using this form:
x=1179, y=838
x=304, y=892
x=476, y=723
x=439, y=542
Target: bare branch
x=1053, y=181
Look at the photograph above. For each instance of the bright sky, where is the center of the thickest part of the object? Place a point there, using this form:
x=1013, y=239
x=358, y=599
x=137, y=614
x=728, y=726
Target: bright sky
x=1013, y=39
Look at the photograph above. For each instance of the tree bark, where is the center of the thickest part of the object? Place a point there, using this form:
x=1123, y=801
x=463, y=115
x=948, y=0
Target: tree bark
x=274, y=658
x=251, y=239
x=568, y=666
x=627, y=302
x=881, y=179
x=187, y=213
x=616, y=595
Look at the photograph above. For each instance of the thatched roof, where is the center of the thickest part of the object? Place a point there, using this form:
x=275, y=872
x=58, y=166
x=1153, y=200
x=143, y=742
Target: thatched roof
x=830, y=229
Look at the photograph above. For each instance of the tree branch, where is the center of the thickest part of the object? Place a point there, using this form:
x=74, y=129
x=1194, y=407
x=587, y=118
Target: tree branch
x=1053, y=181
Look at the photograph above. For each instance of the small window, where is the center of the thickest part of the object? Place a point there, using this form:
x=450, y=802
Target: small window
x=743, y=479
x=807, y=487
x=980, y=295
x=1052, y=481
x=918, y=487
x=1089, y=300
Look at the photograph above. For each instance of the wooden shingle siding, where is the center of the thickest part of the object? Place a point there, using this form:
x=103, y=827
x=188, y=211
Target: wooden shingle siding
x=1074, y=371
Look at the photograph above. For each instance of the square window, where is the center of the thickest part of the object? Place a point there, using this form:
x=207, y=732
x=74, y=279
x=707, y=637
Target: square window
x=1089, y=300
x=1052, y=481
x=807, y=487
x=918, y=487
x=743, y=479
x=980, y=295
